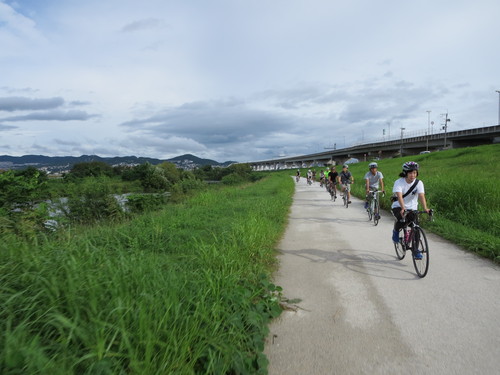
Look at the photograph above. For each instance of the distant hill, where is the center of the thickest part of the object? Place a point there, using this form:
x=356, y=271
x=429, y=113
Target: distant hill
x=64, y=163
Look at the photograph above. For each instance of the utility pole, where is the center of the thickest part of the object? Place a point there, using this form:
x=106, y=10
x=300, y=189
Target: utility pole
x=428, y=128
x=401, y=149
x=445, y=127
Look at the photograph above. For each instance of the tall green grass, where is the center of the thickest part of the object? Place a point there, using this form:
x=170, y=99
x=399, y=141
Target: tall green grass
x=462, y=185
x=185, y=290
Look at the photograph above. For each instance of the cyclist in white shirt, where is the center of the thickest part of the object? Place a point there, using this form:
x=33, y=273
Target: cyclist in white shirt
x=410, y=201
x=373, y=179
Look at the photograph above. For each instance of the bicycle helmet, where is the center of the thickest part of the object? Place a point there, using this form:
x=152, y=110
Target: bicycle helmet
x=410, y=166
x=345, y=166
x=372, y=165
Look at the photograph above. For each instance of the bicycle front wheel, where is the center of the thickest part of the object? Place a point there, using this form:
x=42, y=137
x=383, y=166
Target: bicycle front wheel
x=376, y=212
x=420, y=250
x=399, y=247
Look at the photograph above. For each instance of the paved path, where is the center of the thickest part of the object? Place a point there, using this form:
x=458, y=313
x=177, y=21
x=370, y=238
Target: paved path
x=362, y=311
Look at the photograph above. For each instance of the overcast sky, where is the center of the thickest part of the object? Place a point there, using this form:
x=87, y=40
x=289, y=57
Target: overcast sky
x=241, y=80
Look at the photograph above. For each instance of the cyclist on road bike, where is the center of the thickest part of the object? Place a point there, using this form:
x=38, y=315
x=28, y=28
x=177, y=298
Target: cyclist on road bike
x=297, y=174
x=410, y=202
x=345, y=177
x=373, y=179
x=321, y=178
x=332, y=180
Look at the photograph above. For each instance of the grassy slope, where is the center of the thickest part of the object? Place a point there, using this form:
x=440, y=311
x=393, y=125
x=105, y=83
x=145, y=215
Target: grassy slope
x=462, y=185
x=184, y=291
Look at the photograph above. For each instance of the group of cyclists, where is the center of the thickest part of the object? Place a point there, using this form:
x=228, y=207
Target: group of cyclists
x=407, y=190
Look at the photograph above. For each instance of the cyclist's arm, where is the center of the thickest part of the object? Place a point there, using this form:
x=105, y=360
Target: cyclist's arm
x=367, y=182
x=401, y=202
x=423, y=201
x=382, y=185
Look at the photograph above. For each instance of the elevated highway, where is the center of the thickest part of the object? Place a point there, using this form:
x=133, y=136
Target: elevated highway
x=386, y=149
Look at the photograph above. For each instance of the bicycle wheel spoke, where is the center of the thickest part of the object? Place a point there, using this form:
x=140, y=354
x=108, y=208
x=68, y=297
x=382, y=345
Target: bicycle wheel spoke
x=420, y=259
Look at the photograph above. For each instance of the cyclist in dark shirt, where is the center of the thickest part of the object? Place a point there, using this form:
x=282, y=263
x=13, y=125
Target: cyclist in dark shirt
x=332, y=179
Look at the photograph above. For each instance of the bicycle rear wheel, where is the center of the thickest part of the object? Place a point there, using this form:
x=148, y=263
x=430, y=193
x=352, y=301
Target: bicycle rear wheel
x=420, y=246
x=399, y=247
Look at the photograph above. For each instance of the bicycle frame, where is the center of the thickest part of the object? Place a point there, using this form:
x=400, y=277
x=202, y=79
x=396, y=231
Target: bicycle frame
x=346, y=191
x=374, y=206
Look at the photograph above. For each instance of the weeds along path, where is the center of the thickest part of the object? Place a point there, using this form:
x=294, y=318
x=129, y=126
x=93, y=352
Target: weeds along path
x=362, y=311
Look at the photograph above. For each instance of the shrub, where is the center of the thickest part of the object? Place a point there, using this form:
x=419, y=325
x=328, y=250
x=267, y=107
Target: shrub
x=92, y=201
x=92, y=169
x=233, y=179
x=191, y=184
x=145, y=202
x=155, y=179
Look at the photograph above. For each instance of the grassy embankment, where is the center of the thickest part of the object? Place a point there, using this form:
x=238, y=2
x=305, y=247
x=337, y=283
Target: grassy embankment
x=462, y=186
x=184, y=290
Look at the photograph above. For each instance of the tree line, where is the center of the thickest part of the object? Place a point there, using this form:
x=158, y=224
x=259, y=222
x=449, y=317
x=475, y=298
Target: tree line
x=31, y=201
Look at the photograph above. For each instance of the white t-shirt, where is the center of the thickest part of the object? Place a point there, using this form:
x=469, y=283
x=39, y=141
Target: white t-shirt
x=411, y=200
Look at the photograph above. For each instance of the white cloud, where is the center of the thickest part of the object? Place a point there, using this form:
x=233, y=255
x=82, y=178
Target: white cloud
x=239, y=80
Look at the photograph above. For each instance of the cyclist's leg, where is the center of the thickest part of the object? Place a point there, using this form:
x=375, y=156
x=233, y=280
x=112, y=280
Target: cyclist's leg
x=398, y=224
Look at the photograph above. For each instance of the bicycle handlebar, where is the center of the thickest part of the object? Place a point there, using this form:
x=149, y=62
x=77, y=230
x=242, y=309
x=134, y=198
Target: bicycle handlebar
x=430, y=213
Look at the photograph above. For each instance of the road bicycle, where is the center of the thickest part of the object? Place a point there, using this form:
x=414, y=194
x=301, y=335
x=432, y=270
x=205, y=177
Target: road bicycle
x=347, y=189
x=412, y=237
x=297, y=178
x=374, y=206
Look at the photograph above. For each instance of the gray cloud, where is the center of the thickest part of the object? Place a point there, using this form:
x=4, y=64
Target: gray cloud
x=79, y=103
x=63, y=142
x=145, y=24
x=213, y=123
x=17, y=103
x=25, y=90
x=7, y=127
x=52, y=116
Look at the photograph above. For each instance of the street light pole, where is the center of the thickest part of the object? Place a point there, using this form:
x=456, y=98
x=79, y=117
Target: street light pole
x=498, y=106
x=401, y=150
x=428, y=128
x=445, y=127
